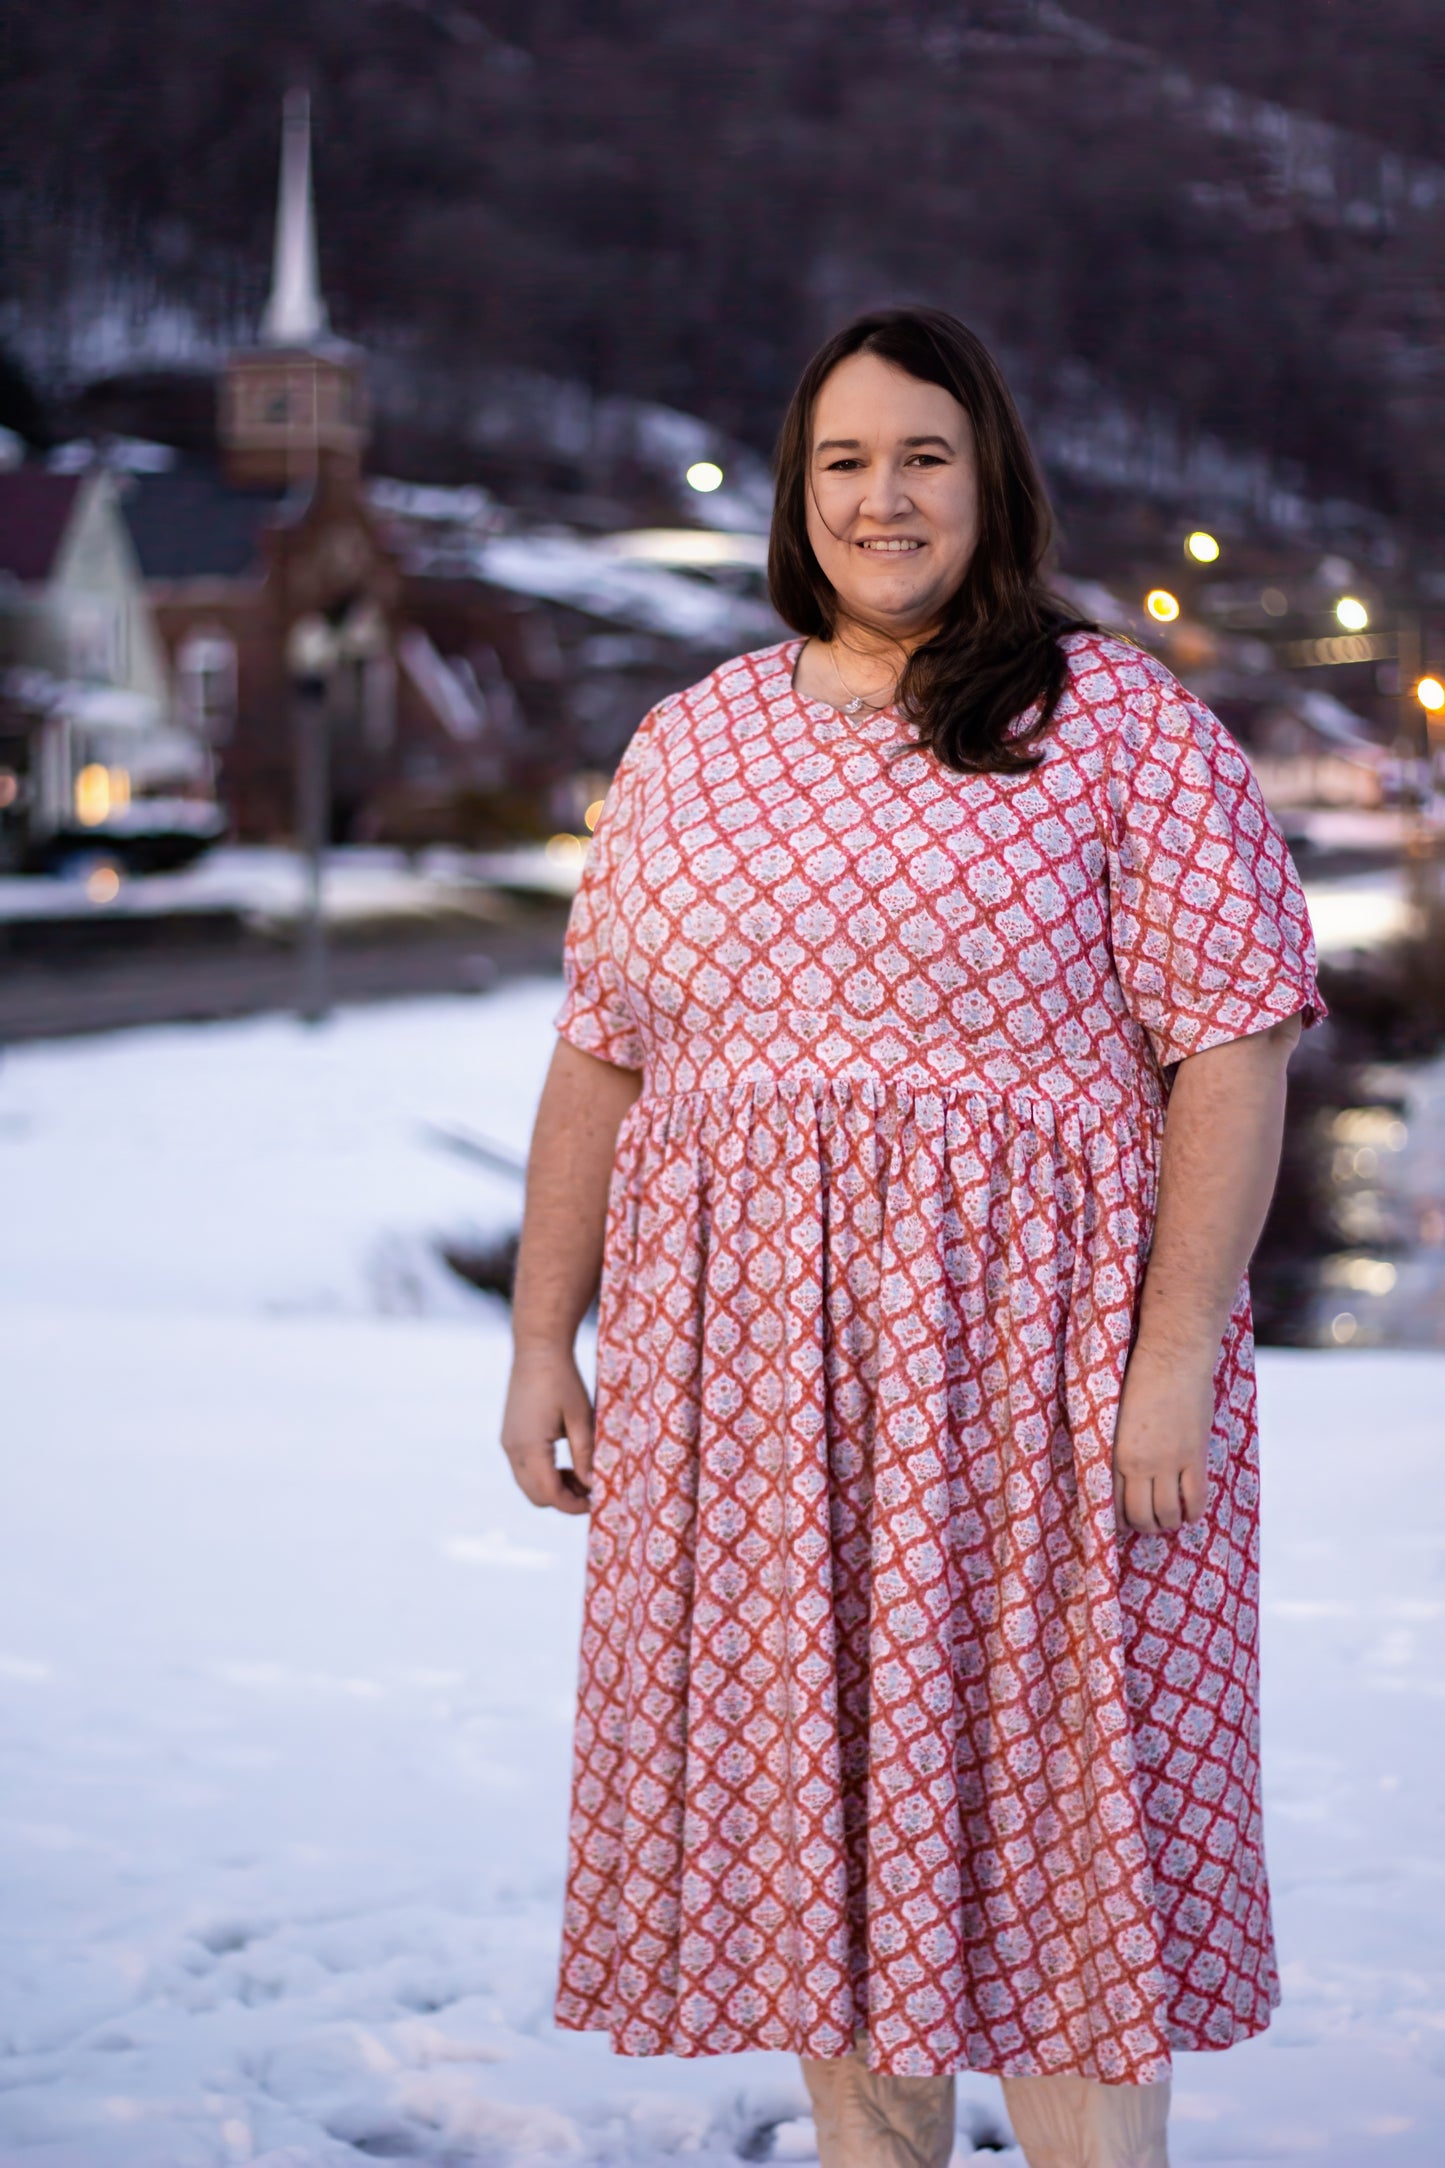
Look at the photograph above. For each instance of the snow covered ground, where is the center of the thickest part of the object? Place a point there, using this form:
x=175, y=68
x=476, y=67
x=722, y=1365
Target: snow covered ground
x=286, y=1665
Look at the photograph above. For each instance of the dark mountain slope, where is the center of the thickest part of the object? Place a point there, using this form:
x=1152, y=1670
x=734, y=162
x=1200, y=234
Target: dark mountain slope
x=673, y=202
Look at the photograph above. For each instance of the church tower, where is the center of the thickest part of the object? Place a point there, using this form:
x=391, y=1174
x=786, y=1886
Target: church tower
x=295, y=405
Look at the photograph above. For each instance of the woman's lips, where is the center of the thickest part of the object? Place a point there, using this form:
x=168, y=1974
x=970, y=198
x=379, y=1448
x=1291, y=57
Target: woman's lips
x=890, y=545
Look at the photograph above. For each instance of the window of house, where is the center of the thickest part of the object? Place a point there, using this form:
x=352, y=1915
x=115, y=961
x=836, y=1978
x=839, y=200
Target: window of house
x=206, y=683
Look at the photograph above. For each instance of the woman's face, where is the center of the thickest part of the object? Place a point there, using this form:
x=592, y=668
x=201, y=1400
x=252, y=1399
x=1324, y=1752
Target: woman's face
x=892, y=494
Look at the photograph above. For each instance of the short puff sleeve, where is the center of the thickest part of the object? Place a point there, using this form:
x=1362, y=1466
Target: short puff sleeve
x=596, y=1016
x=1210, y=931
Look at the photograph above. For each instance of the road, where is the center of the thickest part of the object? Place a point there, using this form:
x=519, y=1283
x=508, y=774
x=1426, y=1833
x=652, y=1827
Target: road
x=206, y=968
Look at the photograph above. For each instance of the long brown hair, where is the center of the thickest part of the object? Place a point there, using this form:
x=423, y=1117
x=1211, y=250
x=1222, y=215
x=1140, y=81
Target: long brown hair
x=996, y=655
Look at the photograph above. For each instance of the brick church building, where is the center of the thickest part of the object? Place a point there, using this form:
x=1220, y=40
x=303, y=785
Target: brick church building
x=268, y=563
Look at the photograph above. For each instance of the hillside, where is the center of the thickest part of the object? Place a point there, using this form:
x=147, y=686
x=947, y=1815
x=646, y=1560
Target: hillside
x=1229, y=225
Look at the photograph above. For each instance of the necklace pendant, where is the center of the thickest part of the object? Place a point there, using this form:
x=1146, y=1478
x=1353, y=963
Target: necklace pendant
x=854, y=706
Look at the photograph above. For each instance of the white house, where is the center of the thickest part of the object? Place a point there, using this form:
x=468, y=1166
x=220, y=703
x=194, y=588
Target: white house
x=89, y=754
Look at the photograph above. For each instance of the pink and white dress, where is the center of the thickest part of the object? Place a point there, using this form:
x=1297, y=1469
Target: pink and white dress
x=882, y=1721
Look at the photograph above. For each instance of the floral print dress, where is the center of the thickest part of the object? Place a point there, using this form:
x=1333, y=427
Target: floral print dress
x=883, y=1721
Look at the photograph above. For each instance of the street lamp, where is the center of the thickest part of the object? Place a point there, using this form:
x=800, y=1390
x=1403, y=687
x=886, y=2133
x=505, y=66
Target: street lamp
x=312, y=652
x=1430, y=693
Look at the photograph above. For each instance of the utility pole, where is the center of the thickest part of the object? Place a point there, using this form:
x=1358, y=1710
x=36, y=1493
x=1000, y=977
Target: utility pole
x=312, y=649
x=1409, y=664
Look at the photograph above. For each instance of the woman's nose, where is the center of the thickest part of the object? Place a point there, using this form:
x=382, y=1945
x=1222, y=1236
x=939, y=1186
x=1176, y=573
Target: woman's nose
x=885, y=495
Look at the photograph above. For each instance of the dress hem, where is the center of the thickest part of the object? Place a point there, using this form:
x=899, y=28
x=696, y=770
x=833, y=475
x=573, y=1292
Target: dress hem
x=1180, y=2042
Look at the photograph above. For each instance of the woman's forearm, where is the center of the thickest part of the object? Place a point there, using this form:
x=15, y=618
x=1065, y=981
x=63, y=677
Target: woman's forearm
x=568, y=1172
x=1217, y=1173
x=1221, y=1154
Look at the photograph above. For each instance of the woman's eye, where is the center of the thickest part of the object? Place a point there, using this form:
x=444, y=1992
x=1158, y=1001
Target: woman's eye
x=925, y=459
x=843, y=466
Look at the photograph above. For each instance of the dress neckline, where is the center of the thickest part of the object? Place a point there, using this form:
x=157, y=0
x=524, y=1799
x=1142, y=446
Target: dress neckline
x=834, y=719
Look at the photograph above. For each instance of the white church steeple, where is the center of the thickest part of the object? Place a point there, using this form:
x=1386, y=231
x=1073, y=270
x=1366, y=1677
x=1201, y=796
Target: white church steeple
x=295, y=313
x=294, y=404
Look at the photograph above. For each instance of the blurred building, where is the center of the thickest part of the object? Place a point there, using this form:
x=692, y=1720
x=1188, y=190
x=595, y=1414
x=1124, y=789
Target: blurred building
x=276, y=533
x=89, y=754
x=479, y=677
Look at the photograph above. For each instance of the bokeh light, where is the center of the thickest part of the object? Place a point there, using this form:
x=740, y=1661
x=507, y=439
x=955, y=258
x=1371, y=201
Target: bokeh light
x=92, y=795
x=1202, y=547
x=102, y=884
x=1431, y=694
x=1351, y=613
x=1161, y=605
x=703, y=474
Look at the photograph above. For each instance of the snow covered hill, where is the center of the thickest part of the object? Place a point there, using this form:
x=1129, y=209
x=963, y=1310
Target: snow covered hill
x=286, y=1664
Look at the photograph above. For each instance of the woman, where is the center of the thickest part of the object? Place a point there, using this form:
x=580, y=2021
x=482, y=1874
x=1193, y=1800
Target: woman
x=918, y=1718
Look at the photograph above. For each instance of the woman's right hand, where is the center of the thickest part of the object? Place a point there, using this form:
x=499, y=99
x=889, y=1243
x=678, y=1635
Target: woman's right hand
x=569, y=1169
x=546, y=1402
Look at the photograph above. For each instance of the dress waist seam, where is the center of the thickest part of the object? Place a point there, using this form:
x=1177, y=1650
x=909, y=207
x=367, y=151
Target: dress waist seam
x=884, y=1093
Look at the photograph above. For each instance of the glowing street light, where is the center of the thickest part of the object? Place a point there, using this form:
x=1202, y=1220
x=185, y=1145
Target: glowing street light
x=1202, y=547
x=1161, y=605
x=1431, y=695
x=1351, y=613
x=705, y=475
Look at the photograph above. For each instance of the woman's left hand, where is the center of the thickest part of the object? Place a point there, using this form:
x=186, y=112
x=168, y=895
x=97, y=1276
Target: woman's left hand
x=1161, y=1442
x=1221, y=1150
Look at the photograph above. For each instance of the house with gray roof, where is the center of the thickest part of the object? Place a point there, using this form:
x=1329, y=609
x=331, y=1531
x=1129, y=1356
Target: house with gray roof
x=91, y=756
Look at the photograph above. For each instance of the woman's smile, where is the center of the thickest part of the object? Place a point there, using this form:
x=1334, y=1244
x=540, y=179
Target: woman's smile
x=892, y=502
